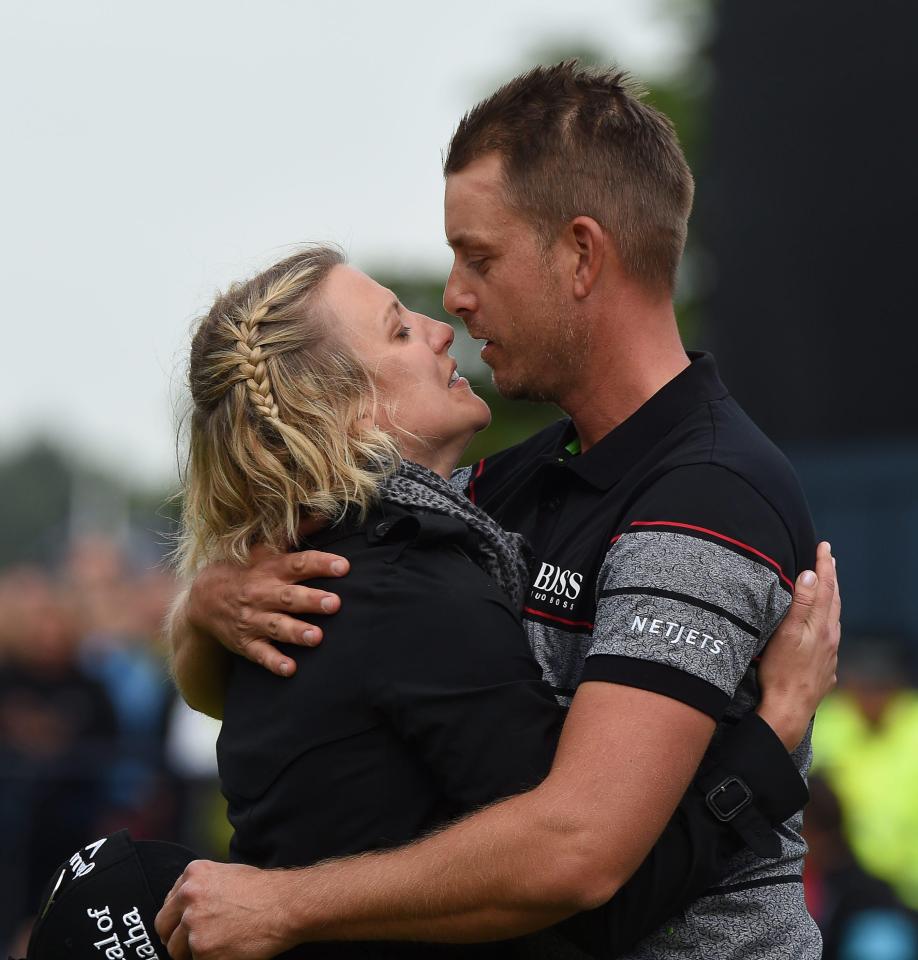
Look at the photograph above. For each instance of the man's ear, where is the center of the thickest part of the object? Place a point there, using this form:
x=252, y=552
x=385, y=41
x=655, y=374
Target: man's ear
x=589, y=244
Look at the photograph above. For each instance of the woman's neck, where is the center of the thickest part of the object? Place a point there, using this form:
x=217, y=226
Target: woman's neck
x=442, y=460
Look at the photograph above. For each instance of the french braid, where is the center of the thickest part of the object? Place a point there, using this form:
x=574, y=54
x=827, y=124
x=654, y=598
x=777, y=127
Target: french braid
x=268, y=354
x=254, y=366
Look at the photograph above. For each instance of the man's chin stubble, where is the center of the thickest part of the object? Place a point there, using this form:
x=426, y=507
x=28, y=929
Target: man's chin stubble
x=521, y=389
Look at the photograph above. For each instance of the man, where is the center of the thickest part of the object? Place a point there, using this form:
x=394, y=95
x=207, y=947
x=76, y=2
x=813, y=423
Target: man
x=667, y=533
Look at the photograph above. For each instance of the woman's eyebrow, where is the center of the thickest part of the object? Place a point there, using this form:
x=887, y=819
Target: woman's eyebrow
x=391, y=308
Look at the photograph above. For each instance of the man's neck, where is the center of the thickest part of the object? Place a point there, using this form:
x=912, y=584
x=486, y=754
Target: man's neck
x=623, y=371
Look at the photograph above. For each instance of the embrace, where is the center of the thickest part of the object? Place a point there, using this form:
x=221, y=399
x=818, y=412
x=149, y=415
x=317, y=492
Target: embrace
x=556, y=704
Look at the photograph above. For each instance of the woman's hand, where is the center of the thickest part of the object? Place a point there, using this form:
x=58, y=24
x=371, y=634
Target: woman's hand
x=249, y=609
x=799, y=662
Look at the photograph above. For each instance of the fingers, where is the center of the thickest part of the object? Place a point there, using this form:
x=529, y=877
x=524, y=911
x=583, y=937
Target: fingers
x=177, y=945
x=268, y=610
x=835, y=609
x=279, y=628
x=291, y=598
x=801, y=604
x=269, y=657
x=815, y=592
x=825, y=590
x=170, y=915
x=310, y=565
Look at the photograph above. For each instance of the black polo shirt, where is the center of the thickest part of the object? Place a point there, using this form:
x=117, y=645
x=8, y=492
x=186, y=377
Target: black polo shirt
x=665, y=558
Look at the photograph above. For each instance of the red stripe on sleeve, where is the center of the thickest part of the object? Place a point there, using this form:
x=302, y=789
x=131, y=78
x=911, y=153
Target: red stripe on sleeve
x=548, y=616
x=720, y=536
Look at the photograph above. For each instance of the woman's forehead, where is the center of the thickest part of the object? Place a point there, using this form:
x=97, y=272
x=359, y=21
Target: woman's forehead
x=358, y=301
x=348, y=284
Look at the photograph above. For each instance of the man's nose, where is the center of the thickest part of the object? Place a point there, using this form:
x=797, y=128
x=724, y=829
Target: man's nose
x=458, y=300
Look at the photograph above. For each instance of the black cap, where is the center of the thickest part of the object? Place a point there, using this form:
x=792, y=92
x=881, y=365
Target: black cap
x=102, y=902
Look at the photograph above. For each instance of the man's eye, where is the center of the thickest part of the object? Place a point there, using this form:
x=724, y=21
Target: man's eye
x=479, y=265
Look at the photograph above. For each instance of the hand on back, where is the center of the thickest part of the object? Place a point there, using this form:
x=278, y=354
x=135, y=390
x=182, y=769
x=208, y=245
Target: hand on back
x=249, y=609
x=799, y=663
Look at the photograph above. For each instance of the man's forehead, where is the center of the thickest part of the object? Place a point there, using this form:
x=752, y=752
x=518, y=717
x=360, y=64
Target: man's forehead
x=475, y=202
x=481, y=178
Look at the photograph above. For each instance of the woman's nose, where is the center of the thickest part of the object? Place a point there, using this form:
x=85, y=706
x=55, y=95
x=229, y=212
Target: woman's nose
x=442, y=336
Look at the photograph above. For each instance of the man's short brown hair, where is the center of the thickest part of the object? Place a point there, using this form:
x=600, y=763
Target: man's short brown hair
x=577, y=141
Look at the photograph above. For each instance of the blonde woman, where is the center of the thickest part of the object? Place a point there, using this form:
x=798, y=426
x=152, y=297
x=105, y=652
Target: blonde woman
x=320, y=400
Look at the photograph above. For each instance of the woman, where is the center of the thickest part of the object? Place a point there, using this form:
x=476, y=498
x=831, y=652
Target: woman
x=317, y=396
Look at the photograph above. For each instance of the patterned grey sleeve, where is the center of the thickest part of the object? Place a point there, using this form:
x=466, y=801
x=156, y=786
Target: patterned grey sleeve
x=680, y=601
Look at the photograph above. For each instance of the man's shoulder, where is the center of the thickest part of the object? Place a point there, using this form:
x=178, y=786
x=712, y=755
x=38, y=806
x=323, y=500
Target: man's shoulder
x=711, y=502
x=742, y=447
x=721, y=472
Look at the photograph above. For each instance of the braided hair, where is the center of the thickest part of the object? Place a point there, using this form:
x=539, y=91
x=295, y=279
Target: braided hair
x=253, y=366
x=277, y=400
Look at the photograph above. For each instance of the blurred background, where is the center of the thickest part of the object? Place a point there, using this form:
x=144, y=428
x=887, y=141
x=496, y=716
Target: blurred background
x=154, y=153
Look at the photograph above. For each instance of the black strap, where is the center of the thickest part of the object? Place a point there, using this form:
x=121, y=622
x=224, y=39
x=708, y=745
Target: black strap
x=751, y=782
x=731, y=800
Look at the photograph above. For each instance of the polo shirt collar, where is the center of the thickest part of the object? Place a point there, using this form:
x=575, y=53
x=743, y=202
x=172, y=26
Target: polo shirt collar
x=605, y=463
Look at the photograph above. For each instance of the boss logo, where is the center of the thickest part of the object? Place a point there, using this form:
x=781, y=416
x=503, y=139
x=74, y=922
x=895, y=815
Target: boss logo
x=557, y=582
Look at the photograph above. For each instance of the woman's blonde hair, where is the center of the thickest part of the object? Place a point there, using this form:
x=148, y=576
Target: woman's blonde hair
x=275, y=431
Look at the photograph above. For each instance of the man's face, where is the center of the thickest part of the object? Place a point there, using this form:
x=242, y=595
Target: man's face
x=507, y=290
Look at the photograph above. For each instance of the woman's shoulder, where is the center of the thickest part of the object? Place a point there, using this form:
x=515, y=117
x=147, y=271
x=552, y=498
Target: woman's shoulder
x=412, y=573
x=435, y=554
x=407, y=540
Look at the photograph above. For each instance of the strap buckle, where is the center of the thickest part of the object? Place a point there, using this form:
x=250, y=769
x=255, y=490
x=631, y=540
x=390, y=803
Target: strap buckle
x=728, y=798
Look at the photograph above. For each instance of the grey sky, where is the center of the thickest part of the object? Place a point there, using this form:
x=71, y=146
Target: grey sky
x=155, y=151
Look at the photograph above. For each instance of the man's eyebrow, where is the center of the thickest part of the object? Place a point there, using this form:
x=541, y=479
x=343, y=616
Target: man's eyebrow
x=463, y=239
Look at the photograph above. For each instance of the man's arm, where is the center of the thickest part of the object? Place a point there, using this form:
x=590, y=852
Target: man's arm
x=199, y=664
x=245, y=610
x=517, y=866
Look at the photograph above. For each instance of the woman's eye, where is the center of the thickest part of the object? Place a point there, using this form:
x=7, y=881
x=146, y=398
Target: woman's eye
x=403, y=332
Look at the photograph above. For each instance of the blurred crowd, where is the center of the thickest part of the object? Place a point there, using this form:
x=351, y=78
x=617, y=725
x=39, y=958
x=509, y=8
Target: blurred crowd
x=861, y=876
x=92, y=735
x=93, y=739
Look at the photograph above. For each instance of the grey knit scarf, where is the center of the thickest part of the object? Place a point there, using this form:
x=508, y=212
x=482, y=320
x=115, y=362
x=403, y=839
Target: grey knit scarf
x=504, y=556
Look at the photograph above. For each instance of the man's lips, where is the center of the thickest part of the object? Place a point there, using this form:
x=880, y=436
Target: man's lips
x=488, y=346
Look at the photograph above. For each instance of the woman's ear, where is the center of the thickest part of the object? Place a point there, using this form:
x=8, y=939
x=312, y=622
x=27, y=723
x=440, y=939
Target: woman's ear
x=368, y=417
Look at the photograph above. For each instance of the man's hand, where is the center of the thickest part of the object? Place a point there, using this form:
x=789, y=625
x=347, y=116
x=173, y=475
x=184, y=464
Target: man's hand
x=800, y=661
x=249, y=609
x=224, y=911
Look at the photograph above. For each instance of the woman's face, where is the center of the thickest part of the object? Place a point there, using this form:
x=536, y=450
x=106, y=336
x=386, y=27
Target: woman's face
x=408, y=357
